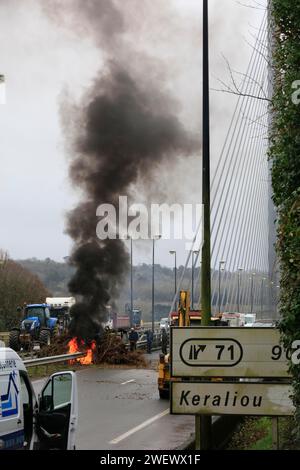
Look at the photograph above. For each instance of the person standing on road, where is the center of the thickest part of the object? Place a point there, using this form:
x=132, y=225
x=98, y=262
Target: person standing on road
x=149, y=336
x=164, y=341
x=133, y=337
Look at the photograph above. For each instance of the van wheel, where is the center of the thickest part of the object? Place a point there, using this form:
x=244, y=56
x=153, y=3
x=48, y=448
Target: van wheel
x=14, y=340
x=164, y=394
x=45, y=338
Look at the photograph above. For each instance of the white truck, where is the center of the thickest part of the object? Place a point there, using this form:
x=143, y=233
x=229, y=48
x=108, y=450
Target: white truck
x=236, y=319
x=60, y=309
x=26, y=422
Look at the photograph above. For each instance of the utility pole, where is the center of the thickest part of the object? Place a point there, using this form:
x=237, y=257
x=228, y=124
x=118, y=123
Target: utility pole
x=252, y=294
x=173, y=252
x=131, y=284
x=262, y=296
x=157, y=237
x=153, y=244
x=194, y=252
x=239, y=288
x=221, y=268
x=204, y=421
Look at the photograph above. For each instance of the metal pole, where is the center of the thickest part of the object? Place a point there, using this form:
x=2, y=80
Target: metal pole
x=252, y=293
x=175, y=279
x=153, y=285
x=193, y=281
x=206, y=255
x=197, y=432
x=131, y=284
x=275, y=433
x=219, y=296
x=205, y=267
x=261, y=297
x=238, y=293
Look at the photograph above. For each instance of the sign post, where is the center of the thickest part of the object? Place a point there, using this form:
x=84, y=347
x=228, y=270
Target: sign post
x=252, y=367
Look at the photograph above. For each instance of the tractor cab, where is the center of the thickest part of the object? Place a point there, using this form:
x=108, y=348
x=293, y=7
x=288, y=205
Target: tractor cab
x=38, y=313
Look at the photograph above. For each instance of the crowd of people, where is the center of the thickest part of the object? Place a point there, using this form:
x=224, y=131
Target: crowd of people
x=133, y=338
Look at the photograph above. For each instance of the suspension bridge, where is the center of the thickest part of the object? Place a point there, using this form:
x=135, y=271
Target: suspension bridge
x=243, y=263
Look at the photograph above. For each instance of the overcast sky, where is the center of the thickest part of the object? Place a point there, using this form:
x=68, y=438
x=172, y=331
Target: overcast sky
x=43, y=61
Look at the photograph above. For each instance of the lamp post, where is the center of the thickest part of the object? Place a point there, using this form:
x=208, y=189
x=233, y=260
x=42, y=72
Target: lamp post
x=156, y=237
x=251, y=292
x=131, y=285
x=221, y=268
x=194, y=252
x=239, y=285
x=173, y=252
x=262, y=295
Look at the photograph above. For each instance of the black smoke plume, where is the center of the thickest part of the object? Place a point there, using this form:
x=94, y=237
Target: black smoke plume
x=126, y=129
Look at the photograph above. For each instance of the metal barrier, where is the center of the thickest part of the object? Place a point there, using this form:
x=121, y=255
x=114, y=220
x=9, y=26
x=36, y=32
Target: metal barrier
x=41, y=361
x=156, y=343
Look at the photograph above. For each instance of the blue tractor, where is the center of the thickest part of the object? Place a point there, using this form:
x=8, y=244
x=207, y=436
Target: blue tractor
x=37, y=327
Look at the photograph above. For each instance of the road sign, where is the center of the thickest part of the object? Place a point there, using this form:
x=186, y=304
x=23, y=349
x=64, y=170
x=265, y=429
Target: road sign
x=242, y=398
x=227, y=352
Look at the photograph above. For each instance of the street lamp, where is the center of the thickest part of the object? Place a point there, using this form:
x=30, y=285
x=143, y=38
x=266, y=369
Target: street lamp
x=239, y=285
x=252, y=277
x=131, y=284
x=131, y=280
x=262, y=295
x=221, y=268
x=173, y=252
x=194, y=252
x=156, y=237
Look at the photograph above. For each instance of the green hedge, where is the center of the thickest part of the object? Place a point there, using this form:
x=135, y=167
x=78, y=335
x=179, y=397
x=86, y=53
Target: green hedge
x=285, y=156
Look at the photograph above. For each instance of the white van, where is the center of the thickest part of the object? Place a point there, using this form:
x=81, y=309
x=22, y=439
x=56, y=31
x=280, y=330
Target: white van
x=27, y=423
x=164, y=323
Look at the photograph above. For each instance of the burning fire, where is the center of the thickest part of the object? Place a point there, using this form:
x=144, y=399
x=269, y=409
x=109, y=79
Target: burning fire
x=76, y=345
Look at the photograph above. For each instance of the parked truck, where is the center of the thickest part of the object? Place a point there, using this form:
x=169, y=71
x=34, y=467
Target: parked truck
x=36, y=328
x=60, y=308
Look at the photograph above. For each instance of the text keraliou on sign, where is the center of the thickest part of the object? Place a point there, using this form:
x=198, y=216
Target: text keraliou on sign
x=243, y=398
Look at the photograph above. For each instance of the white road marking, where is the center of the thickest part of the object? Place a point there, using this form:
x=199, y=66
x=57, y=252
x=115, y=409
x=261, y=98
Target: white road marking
x=128, y=382
x=139, y=427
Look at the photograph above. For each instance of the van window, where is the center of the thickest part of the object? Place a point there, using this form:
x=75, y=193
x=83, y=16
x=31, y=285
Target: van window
x=9, y=395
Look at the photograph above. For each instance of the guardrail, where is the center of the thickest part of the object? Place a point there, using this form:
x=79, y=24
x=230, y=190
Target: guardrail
x=41, y=361
x=156, y=343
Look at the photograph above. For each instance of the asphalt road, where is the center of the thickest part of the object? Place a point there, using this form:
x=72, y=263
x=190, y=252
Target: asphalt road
x=120, y=409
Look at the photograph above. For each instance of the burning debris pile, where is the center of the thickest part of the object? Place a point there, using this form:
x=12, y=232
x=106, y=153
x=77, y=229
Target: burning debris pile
x=108, y=349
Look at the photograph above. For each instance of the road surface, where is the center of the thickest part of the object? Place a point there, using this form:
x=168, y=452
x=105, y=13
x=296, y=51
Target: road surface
x=120, y=409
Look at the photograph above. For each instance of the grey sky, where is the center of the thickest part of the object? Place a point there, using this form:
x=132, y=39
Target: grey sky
x=42, y=61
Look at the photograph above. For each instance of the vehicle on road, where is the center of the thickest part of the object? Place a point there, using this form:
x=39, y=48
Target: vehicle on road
x=164, y=323
x=36, y=328
x=60, y=308
x=183, y=317
x=122, y=322
x=26, y=422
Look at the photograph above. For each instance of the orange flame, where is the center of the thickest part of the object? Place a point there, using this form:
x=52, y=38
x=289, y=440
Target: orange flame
x=76, y=346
